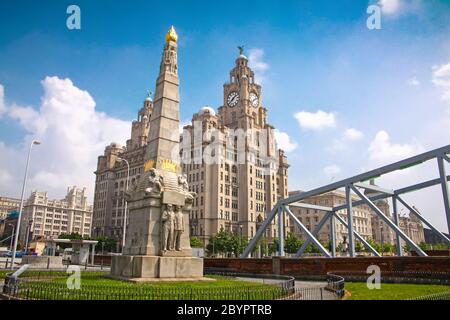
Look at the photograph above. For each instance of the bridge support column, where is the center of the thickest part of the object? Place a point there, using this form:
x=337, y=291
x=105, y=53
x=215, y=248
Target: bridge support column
x=333, y=235
x=281, y=231
x=444, y=186
x=397, y=237
x=351, y=239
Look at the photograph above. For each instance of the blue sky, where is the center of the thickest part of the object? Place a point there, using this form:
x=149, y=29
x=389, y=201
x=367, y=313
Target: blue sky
x=383, y=92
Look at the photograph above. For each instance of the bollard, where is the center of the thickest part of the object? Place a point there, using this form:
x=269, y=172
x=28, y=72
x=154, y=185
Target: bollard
x=6, y=263
x=48, y=263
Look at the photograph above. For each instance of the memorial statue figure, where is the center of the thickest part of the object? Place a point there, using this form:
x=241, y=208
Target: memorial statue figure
x=156, y=182
x=167, y=220
x=178, y=227
x=183, y=185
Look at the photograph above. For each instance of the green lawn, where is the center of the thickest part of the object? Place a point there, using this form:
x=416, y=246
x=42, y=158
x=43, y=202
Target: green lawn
x=391, y=291
x=99, y=279
x=3, y=273
x=95, y=286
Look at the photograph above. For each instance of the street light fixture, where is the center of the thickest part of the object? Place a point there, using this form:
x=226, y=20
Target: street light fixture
x=240, y=227
x=16, y=236
x=28, y=231
x=12, y=235
x=124, y=212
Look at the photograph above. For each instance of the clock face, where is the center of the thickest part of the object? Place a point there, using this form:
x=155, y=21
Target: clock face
x=254, y=100
x=233, y=98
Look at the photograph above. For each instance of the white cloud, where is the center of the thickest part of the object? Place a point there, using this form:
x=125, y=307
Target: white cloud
x=73, y=135
x=2, y=101
x=441, y=79
x=183, y=124
x=413, y=82
x=258, y=65
x=383, y=151
x=331, y=171
x=389, y=6
x=284, y=141
x=350, y=135
x=353, y=134
x=315, y=120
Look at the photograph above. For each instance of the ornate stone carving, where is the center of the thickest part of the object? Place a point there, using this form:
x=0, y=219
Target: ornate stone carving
x=155, y=183
x=167, y=221
x=178, y=228
x=170, y=63
x=184, y=188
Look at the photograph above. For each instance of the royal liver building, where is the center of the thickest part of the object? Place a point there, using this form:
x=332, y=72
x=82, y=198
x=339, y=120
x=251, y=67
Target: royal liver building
x=229, y=157
x=232, y=161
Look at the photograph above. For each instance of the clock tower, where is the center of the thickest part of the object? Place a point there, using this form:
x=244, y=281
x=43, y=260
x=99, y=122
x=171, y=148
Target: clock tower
x=242, y=105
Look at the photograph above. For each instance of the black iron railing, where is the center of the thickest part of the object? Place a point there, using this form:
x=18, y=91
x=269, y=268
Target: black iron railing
x=418, y=277
x=434, y=296
x=46, y=285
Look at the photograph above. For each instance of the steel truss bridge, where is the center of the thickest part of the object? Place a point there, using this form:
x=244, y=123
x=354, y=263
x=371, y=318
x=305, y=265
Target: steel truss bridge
x=357, y=184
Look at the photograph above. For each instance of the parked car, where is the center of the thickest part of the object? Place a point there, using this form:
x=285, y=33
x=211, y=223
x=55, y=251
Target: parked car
x=5, y=253
x=19, y=254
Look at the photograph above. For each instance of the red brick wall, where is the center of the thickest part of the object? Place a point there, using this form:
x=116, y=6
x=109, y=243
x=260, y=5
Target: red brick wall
x=240, y=265
x=105, y=259
x=320, y=266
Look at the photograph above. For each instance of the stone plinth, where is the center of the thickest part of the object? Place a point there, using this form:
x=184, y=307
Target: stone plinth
x=156, y=268
x=43, y=262
x=144, y=229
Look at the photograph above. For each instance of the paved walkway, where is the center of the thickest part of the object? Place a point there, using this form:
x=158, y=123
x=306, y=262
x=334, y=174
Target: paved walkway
x=304, y=290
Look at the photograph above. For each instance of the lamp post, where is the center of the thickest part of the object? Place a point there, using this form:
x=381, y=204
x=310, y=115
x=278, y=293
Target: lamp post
x=124, y=213
x=30, y=222
x=240, y=227
x=16, y=237
x=12, y=236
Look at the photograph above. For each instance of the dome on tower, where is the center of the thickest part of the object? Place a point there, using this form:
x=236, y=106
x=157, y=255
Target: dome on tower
x=207, y=109
x=241, y=53
x=149, y=96
x=115, y=145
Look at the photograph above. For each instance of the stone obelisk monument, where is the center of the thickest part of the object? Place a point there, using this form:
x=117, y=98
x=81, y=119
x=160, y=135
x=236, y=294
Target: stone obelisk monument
x=157, y=245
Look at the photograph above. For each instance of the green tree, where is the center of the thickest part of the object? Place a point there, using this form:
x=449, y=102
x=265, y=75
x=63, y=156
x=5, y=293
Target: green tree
x=273, y=247
x=388, y=247
x=105, y=244
x=440, y=246
x=358, y=246
x=424, y=246
x=292, y=243
x=70, y=236
x=221, y=243
x=196, y=242
x=373, y=244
